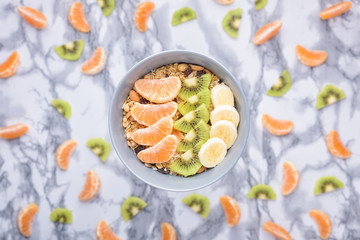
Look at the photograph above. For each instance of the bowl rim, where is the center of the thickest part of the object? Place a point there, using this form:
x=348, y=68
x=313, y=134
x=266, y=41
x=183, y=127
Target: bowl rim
x=245, y=105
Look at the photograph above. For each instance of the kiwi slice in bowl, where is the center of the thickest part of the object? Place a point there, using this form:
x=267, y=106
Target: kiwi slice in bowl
x=194, y=85
x=329, y=95
x=131, y=207
x=195, y=101
x=188, y=163
x=262, y=191
x=327, y=184
x=107, y=6
x=70, y=51
x=198, y=203
x=231, y=22
x=100, y=147
x=191, y=119
x=281, y=86
x=183, y=15
x=201, y=132
x=62, y=107
x=61, y=215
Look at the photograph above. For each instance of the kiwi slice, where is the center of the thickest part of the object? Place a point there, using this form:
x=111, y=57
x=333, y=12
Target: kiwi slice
x=70, y=51
x=328, y=95
x=231, y=22
x=195, y=101
x=107, y=6
x=194, y=85
x=100, y=147
x=188, y=163
x=183, y=15
x=201, y=132
x=198, y=203
x=281, y=86
x=262, y=191
x=62, y=107
x=327, y=184
x=260, y=4
x=132, y=206
x=61, y=215
x=188, y=121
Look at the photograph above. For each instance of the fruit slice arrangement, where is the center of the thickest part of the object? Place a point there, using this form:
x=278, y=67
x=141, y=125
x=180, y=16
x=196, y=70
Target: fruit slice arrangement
x=13, y=131
x=33, y=17
x=277, y=231
x=62, y=107
x=131, y=207
x=281, y=86
x=168, y=231
x=327, y=184
x=25, y=219
x=107, y=6
x=198, y=203
x=329, y=95
x=91, y=187
x=100, y=147
x=335, y=145
x=231, y=22
x=183, y=15
x=267, y=32
x=61, y=215
x=262, y=192
x=323, y=222
x=9, y=67
x=70, y=51
x=104, y=232
x=231, y=209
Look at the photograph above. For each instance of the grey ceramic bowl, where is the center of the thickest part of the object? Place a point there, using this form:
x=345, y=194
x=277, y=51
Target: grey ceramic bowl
x=127, y=156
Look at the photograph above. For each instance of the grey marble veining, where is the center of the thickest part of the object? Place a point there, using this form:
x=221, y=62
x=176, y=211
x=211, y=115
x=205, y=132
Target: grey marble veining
x=28, y=172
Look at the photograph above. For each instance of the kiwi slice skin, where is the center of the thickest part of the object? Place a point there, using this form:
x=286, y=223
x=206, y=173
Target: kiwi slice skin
x=192, y=86
x=107, y=6
x=189, y=163
x=195, y=101
x=327, y=184
x=62, y=107
x=262, y=191
x=61, y=215
x=131, y=207
x=100, y=147
x=71, y=51
x=282, y=85
x=260, y=4
x=198, y=203
x=231, y=22
x=201, y=132
x=328, y=95
x=183, y=15
x=190, y=120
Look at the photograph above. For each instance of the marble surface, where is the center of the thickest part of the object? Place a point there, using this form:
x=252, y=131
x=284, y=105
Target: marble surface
x=28, y=172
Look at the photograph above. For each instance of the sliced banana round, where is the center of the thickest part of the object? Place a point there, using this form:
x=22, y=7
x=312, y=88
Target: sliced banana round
x=222, y=95
x=224, y=130
x=225, y=112
x=212, y=152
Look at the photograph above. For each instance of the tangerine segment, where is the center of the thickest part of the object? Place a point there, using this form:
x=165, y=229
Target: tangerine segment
x=64, y=152
x=158, y=90
x=276, y=231
x=13, y=131
x=9, y=67
x=25, y=219
x=161, y=152
x=104, y=232
x=277, y=127
x=231, y=209
x=142, y=13
x=96, y=63
x=310, y=58
x=178, y=134
x=148, y=114
x=323, y=222
x=291, y=178
x=267, y=32
x=336, y=10
x=168, y=231
x=77, y=17
x=155, y=133
x=335, y=145
x=33, y=17
x=91, y=187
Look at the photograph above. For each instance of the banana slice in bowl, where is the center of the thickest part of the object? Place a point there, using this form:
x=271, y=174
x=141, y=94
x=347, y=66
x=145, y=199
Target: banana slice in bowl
x=224, y=130
x=212, y=152
x=225, y=112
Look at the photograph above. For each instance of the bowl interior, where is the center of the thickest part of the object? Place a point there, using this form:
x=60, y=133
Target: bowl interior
x=170, y=182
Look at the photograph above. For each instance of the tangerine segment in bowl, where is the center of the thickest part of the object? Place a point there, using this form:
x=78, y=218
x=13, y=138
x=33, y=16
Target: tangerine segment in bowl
x=33, y=17
x=161, y=152
x=323, y=222
x=291, y=178
x=277, y=127
x=142, y=13
x=104, y=232
x=13, y=131
x=96, y=63
x=310, y=58
x=9, y=67
x=148, y=114
x=91, y=187
x=168, y=231
x=335, y=145
x=25, y=219
x=158, y=90
x=77, y=17
x=267, y=32
x=231, y=209
x=276, y=231
x=63, y=153
x=336, y=10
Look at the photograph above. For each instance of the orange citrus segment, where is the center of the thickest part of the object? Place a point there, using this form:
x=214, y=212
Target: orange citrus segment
x=323, y=222
x=277, y=127
x=276, y=231
x=25, y=219
x=335, y=145
x=142, y=13
x=267, y=32
x=95, y=63
x=13, y=131
x=155, y=133
x=33, y=17
x=104, y=232
x=161, y=152
x=168, y=231
x=231, y=209
x=64, y=152
x=336, y=10
x=177, y=134
x=77, y=17
x=291, y=178
x=148, y=114
x=310, y=58
x=9, y=67
x=91, y=187
x=158, y=90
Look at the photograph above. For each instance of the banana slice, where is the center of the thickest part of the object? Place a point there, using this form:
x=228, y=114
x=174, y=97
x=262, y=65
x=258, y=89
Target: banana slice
x=225, y=112
x=212, y=152
x=224, y=130
x=222, y=95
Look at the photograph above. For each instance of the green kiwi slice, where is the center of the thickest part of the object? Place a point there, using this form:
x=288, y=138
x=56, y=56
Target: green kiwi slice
x=260, y=4
x=195, y=101
x=262, y=191
x=62, y=107
x=201, y=132
x=183, y=15
x=327, y=184
x=188, y=121
x=281, y=86
x=107, y=6
x=100, y=147
x=188, y=163
x=329, y=95
x=194, y=85
x=61, y=215
x=198, y=203
x=131, y=207
x=71, y=51
x=231, y=22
